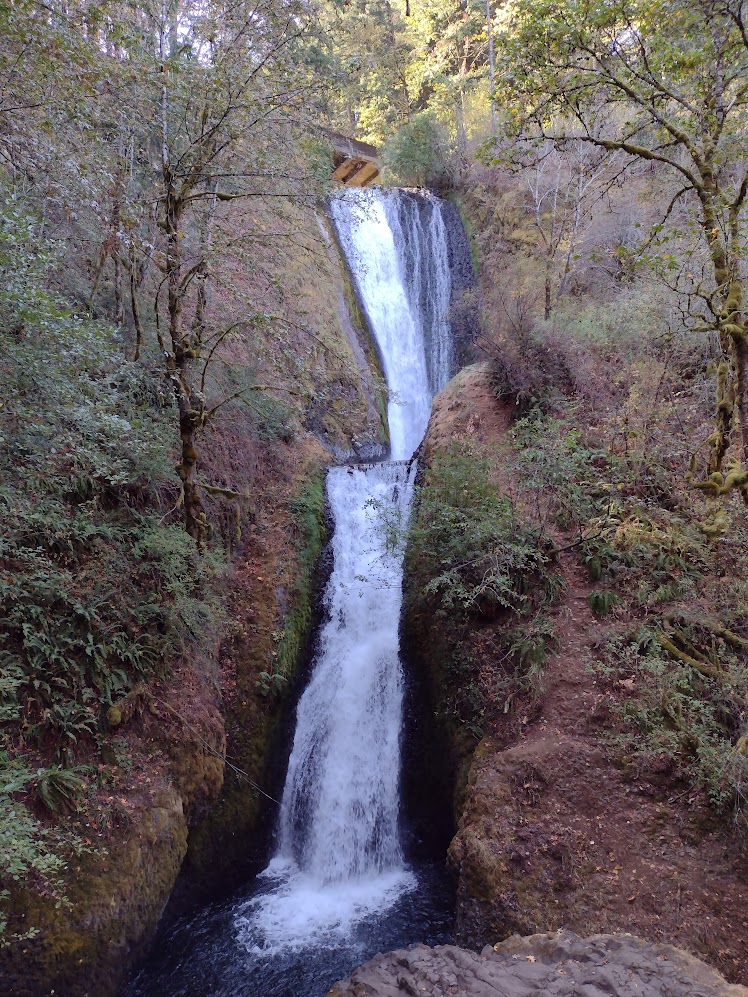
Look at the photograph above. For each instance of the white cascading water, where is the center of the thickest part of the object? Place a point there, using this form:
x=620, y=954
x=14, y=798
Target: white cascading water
x=396, y=247
x=339, y=857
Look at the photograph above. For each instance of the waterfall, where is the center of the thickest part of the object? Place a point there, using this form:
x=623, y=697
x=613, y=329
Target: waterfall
x=339, y=856
x=397, y=251
x=340, y=807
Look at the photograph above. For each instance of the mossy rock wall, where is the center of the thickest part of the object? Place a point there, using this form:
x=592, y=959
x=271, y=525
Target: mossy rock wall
x=117, y=899
x=437, y=755
x=428, y=643
x=234, y=834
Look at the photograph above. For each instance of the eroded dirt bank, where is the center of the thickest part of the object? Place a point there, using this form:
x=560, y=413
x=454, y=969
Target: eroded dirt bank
x=555, y=828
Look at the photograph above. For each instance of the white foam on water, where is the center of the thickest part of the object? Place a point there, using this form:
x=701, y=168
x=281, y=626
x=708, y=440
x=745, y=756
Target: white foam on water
x=300, y=913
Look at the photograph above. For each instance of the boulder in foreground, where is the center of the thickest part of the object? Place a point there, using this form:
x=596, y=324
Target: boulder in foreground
x=559, y=964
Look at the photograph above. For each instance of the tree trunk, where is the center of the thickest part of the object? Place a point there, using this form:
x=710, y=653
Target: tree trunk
x=134, y=305
x=491, y=68
x=181, y=361
x=741, y=378
x=180, y=358
x=97, y=275
x=202, y=278
x=195, y=520
x=119, y=301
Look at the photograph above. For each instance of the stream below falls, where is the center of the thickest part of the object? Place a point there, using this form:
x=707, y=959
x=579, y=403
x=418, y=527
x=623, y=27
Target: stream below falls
x=342, y=883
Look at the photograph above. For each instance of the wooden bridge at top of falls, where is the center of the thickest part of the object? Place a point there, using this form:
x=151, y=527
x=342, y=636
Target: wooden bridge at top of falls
x=356, y=163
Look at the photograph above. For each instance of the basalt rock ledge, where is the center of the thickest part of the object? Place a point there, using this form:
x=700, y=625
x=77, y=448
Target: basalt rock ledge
x=557, y=964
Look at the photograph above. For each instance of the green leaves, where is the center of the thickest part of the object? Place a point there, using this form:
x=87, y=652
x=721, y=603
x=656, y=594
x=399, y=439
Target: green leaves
x=479, y=555
x=59, y=789
x=417, y=154
x=677, y=722
x=95, y=591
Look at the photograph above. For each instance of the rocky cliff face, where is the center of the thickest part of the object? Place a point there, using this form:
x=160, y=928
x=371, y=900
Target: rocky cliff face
x=117, y=891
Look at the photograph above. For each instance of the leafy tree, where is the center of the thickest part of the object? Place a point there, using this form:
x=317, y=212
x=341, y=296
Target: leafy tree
x=563, y=186
x=619, y=76
x=392, y=67
x=372, y=56
x=229, y=88
x=416, y=155
x=450, y=55
x=134, y=130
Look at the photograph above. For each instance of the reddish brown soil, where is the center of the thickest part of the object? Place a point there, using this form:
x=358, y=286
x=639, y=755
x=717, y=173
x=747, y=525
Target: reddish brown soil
x=558, y=832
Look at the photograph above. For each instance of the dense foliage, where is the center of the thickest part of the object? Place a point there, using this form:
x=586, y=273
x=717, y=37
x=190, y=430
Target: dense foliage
x=479, y=554
x=479, y=564
x=617, y=78
x=96, y=592
x=679, y=723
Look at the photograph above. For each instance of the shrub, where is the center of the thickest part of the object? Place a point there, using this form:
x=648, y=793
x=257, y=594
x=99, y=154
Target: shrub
x=676, y=722
x=479, y=555
x=416, y=155
x=624, y=539
x=603, y=602
x=97, y=592
x=486, y=573
x=563, y=474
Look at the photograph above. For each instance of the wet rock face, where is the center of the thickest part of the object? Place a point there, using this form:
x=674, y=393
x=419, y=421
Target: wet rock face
x=463, y=315
x=560, y=964
x=460, y=261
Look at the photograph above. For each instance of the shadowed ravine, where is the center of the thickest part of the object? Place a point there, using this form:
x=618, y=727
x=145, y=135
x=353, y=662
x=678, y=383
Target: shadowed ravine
x=340, y=886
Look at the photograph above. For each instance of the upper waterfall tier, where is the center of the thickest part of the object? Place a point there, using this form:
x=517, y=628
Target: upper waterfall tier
x=396, y=244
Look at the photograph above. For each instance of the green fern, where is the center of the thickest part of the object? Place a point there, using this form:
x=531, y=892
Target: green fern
x=59, y=789
x=603, y=602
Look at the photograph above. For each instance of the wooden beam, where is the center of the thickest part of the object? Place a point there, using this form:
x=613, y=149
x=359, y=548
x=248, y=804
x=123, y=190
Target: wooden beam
x=367, y=173
x=347, y=169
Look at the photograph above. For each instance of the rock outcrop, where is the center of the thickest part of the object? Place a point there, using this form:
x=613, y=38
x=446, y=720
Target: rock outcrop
x=553, y=827
x=560, y=964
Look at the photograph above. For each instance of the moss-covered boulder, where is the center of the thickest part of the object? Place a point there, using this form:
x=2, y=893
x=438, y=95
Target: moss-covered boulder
x=116, y=899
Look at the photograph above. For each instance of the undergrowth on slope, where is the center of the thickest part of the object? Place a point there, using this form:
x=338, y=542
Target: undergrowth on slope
x=675, y=723
x=479, y=554
x=635, y=549
x=678, y=679
x=609, y=384
x=477, y=562
x=97, y=594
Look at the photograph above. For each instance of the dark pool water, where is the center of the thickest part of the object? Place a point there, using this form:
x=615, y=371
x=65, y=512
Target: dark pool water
x=210, y=953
